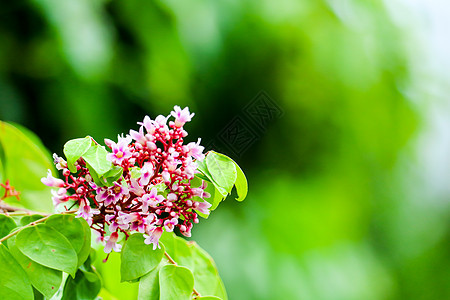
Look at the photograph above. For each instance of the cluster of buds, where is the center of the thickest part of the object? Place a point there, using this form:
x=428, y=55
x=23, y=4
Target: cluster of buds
x=154, y=192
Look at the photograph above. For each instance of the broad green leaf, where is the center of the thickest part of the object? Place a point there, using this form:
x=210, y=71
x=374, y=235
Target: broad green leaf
x=149, y=283
x=74, y=231
x=25, y=220
x=86, y=284
x=45, y=280
x=138, y=258
x=15, y=284
x=95, y=177
x=74, y=149
x=190, y=255
x=48, y=247
x=6, y=225
x=85, y=250
x=175, y=283
x=96, y=158
x=222, y=170
x=110, y=273
x=23, y=156
x=241, y=183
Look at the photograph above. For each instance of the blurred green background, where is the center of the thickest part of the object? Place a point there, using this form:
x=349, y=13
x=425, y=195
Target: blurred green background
x=349, y=183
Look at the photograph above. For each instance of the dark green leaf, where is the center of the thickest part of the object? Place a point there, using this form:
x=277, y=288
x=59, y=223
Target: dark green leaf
x=73, y=229
x=6, y=225
x=48, y=247
x=222, y=170
x=45, y=280
x=138, y=258
x=82, y=288
x=74, y=149
x=175, y=283
x=25, y=220
x=96, y=158
x=85, y=250
x=15, y=284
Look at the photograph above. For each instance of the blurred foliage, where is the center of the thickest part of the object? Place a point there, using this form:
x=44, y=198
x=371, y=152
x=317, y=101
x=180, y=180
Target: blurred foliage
x=336, y=208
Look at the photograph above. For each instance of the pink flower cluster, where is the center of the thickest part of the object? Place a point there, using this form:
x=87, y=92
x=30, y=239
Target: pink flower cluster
x=154, y=192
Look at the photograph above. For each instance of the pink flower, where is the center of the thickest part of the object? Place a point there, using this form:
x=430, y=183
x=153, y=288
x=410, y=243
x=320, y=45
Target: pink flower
x=52, y=181
x=119, y=221
x=200, y=191
x=111, y=244
x=202, y=207
x=195, y=150
x=136, y=188
x=181, y=116
x=59, y=162
x=139, y=136
x=152, y=200
x=86, y=212
x=120, y=151
x=170, y=224
x=148, y=124
x=59, y=196
x=137, y=222
x=186, y=229
x=147, y=173
x=153, y=237
x=111, y=194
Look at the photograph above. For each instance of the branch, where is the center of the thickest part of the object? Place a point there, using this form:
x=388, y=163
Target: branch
x=8, y=209
x=32, y=224
x=197, y=294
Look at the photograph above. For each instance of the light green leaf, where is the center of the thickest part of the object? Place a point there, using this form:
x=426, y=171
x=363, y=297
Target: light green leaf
x=112, y=175
x=74, y=149
x=222, y=170
x=48, y=247
x=96, y=158
x=190, y=255
x=175, y=283
x=15, y=284
x=241, y=183
x=45, y=280
x=85, y=250
x=138, y=258
x=149, y=283
x=208, y=298
x=6, y=225
x=23, y=156
x=74, y=231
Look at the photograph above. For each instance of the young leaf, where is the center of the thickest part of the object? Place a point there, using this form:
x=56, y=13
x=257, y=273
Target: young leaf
x=6, y=225
x=48, y=247
x=15, y=284
x=241, y=183
x=190, y=255
x=73, y=229
x=149, y=283
x=96, y=158
x=222, y=169
x=45, y=280
x=175, y=283
x=74, y=149
x=138, y=258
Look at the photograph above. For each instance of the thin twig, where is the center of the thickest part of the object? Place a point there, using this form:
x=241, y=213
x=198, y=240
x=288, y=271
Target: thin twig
x=32, y=224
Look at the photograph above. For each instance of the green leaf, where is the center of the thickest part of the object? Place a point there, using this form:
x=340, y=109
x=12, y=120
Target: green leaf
x=6, y=225
x=222, y=170
x=23, y=156
x=241, y=183
x=15, y=284
x=25, y=220
x=74, y=149
x=96, y=158
x=190, y=255
x=74, y=231
x=85, y=250
x=82, y=287
x=149, y=283
x=48, y=247
x=45, y=280
x=209, y=298
x=175, y=283
x=138, y=258
x=112, y=175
